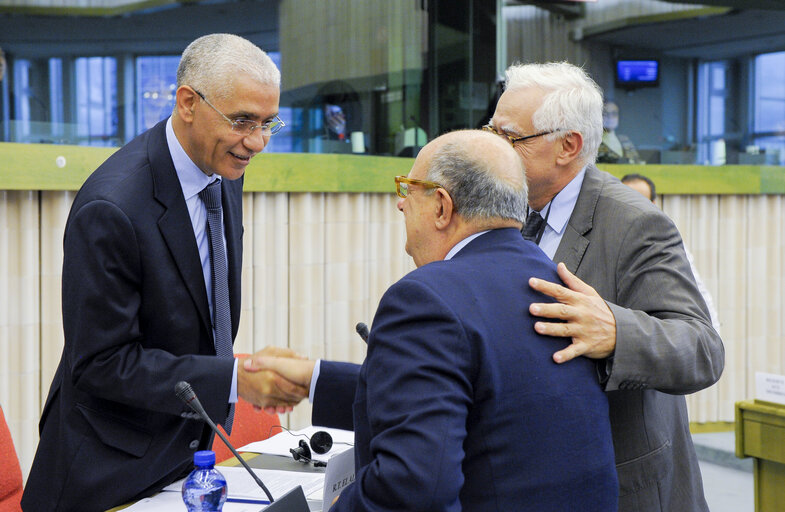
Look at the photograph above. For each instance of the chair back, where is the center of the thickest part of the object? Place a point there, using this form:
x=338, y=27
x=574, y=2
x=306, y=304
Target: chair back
x=10, y=471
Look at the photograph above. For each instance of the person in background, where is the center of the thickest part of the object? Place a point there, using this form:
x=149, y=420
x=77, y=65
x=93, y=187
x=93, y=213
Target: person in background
x=151, y=292
x=459, y=405
x=341, y=110
x=615, y=147
x=646, y=188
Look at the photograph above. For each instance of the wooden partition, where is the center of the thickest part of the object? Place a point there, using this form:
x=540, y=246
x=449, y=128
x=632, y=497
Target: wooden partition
x=324, y=240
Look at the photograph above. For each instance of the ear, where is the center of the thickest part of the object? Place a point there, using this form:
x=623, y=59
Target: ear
x=570, y=148
x=445, y=209
x=186, y=100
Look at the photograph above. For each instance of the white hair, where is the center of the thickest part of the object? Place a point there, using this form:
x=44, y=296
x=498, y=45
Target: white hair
x=211, y=64
x=480, y=178
x=572, y=102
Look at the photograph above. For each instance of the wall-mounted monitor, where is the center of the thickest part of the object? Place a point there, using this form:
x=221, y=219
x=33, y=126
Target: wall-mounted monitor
x=633, y=73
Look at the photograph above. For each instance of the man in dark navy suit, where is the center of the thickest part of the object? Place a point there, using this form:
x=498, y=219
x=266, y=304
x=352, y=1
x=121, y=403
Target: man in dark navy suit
x=139, y=312
x=460, y=405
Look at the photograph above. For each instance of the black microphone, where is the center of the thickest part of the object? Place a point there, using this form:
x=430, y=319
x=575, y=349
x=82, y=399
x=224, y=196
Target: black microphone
x=362, y=330
x=185, y=393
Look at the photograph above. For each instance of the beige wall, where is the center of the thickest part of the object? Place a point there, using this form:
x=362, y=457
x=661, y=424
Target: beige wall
x=316, y=264
x=739, y=247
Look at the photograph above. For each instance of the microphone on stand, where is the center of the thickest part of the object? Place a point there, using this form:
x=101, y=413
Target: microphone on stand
x=362, y=330
x=185, y=392
x=292, y=501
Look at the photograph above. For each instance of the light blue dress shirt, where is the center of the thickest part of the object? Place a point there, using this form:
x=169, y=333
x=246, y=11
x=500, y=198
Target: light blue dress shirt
x=561, y=208
x=192, y=181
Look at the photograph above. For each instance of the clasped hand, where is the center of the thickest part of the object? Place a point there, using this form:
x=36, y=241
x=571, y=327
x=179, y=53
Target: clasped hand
x=265, y=387
x=586, y=318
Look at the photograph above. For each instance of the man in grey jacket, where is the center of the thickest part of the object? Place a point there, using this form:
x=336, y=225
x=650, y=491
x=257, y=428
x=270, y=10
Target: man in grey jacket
x=631, y=302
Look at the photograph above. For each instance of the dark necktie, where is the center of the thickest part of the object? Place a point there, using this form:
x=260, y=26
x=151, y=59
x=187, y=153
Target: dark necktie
x=534, y=223
x=222, y=320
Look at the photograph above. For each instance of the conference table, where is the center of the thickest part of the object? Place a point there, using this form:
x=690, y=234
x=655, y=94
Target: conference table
x=276, y=463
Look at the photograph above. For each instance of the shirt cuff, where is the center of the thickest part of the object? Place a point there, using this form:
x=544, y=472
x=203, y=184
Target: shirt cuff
x=233, y=391
x=604, y=369
x=314, y=378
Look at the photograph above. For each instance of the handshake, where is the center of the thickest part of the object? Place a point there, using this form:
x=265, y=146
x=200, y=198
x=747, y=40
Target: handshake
x=274, y=379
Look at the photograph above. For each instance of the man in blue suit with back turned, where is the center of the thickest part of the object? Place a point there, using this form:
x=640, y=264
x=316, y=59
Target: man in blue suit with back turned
x=459, y=404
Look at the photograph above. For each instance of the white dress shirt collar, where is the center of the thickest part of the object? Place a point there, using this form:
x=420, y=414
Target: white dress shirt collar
x=463, y=243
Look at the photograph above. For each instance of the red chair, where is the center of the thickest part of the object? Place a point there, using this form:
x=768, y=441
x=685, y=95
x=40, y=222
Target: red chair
x=249, y=425
x=10, y=471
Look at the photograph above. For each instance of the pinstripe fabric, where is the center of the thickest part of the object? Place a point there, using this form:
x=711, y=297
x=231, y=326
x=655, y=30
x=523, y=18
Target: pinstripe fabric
x=222, y=320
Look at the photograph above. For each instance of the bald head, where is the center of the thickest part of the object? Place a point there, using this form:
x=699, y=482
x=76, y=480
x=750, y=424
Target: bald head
x=489, y=152
x=477, y=183
x=482, y=172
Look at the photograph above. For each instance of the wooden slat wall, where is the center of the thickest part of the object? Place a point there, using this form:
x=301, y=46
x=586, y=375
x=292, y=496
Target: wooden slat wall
x=20, y=318
x=315, y=264
x=738, y=244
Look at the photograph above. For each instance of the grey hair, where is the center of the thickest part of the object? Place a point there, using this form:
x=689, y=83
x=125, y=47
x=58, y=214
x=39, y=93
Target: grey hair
x=211, y=63
x=477, y=192
x=573, y=101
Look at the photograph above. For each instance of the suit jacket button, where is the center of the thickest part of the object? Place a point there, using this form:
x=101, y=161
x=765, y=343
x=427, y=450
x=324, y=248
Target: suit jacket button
x=194, y=444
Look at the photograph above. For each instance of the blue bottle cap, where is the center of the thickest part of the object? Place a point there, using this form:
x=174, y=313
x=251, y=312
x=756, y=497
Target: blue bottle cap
x=204, y=458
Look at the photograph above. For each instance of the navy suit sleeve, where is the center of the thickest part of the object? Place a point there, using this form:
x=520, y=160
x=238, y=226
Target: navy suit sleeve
x=109, y=353
x=417, y=392
x=334, y=395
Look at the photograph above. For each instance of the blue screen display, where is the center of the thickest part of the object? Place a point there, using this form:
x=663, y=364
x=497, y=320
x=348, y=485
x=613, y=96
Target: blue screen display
x=637, y=72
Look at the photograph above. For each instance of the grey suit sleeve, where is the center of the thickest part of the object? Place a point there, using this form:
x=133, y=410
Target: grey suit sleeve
x=664, y=338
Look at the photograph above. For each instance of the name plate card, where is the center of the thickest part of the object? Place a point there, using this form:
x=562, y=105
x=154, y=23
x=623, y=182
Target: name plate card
x=770, y=387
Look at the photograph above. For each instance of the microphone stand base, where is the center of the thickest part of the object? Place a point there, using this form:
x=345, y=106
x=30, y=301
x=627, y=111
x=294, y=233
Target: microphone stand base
x=292, y=501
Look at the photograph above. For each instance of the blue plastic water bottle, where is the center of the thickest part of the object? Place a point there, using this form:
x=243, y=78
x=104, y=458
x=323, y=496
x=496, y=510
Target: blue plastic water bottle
x=205, y=488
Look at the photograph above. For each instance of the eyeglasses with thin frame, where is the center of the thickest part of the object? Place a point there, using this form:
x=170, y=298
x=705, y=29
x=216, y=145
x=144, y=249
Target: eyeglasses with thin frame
x=514, y=140
x=402, y=185
x=246, y=127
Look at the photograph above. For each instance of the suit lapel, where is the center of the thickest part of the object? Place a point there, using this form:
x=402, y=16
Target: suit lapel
x=172, y=224
x=232, y=204
x=573, y=244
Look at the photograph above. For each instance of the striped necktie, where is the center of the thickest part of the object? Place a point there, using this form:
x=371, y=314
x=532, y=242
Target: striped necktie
x=222, y=319
x=534, y=223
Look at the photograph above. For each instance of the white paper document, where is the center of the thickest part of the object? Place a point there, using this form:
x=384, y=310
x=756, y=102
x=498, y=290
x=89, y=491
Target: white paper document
x=173, y=502
x=242, y=486
x=280, y=443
